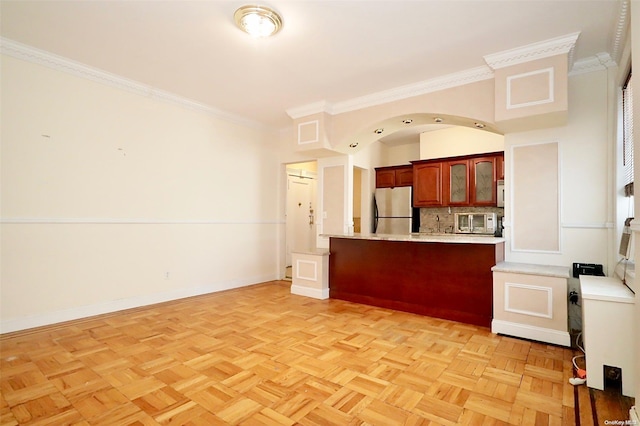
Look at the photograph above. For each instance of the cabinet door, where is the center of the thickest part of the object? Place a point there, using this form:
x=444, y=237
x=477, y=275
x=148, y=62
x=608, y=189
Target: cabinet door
x=483, y=181
x=404, y=176
x=500, y=167
x=427, y=185
x=456, y=183
x=385, y=178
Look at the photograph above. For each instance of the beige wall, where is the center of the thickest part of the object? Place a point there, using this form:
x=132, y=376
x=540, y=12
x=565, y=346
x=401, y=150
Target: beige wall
x=401, y=154
x=333, y=207
x=474, y=101
x=458, y=140
x=112, y=199
x=535, y=209
x=585, y=171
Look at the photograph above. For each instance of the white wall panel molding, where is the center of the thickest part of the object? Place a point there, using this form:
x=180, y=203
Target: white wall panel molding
x=107, y=307
x=27, y=53
x=128, y=221
x=533, y=251
x=308, y=128
x=544, y=292
x=534, y=51
x=530, y=217
x=550, y=88
x=594, y=225
x=307, y=269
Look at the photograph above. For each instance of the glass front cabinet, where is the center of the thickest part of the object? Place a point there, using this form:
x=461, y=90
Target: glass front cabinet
x=470, y=181
x=483, y=181
x=456, y=182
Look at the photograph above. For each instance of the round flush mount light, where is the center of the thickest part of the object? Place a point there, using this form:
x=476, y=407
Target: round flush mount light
x=479, y=125
x=378, y=131
x=407, y=121
x=438, y=120
x=353, y=145
x=258, y=21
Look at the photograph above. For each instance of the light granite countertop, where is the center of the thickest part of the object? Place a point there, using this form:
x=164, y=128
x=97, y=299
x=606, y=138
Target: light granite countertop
x=312, y=251
x=532, y=269
x=423, y=238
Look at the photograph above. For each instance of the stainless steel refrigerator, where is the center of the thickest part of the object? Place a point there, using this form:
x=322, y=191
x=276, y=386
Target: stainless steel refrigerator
x=394, y=212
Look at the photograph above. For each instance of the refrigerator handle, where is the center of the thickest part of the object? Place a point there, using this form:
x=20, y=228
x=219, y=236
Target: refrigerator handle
x=375, y=215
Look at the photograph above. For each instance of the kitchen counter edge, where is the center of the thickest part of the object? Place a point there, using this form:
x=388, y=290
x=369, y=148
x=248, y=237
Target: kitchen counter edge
x=422, y=238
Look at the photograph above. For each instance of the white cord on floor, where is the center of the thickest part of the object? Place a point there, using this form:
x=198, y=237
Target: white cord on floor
x=575, y=381
x=574, y=361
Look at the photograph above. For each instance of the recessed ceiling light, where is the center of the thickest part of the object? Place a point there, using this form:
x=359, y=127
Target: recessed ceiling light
x=438, y=120
x=407, y=121
x=479, y=125
x=378, y=131
x=258, y=21
x=353, y=145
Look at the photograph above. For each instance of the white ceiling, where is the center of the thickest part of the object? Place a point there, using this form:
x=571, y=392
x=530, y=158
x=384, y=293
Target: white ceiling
x=328, y=50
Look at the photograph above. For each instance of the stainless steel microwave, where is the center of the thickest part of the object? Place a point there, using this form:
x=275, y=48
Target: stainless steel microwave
x=500, y=194
x=475, y=223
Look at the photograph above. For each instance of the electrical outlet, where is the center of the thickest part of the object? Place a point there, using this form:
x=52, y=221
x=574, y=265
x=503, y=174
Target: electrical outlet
x=573, y=297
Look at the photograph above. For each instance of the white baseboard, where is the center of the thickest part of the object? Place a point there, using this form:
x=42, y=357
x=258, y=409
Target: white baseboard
x=111, y=306
x=316, y=293
x=531, y=332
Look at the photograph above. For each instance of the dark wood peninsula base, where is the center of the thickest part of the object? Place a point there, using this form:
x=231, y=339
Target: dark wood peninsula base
x=449, y=280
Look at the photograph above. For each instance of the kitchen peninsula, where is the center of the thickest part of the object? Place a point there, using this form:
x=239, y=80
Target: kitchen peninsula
x=444, y=276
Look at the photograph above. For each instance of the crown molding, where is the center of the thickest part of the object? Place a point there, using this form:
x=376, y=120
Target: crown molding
x=599, y=62
x=416, y=89
x=534, y=51
x=403, y=92
x=621, y=31
x=30, y=54
x=310, y=109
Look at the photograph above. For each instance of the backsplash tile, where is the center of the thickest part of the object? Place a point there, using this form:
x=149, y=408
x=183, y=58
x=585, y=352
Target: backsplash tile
x=440, y=219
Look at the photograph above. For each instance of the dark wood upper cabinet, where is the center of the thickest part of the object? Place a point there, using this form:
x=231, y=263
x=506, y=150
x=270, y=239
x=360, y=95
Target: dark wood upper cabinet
x=385, y=178
x=427, y=184
x=458, y=181
x=404, y=176
x=390, y=177
x=500, y=167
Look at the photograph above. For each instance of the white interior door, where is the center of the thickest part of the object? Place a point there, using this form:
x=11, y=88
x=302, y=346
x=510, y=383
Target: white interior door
x=300, y=214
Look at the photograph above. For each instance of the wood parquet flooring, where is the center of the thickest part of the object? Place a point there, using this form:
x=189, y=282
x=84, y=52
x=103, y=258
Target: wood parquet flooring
x=261, y=356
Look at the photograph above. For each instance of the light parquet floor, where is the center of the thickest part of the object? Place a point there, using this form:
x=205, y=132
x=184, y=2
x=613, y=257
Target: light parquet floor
x=261, y=356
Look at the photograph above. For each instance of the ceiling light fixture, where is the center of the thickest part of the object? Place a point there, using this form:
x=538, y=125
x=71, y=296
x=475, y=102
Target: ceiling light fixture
x=407, y=121
x=479, y=125
x=438, y=120
x=258, y=21
x=353, y=145
x=378, y=131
